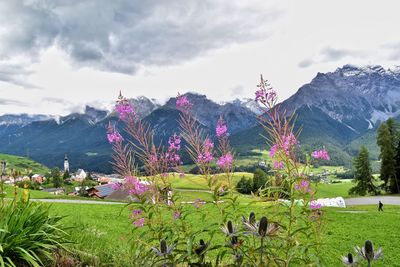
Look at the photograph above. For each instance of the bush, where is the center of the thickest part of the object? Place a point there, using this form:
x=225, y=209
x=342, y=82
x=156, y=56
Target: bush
x=244, y=186
x=30, y=184
x=29, y=236
x=260, y=178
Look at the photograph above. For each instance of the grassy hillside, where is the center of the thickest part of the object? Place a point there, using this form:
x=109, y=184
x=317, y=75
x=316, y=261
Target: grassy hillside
x=22, y=164
x=368, y=140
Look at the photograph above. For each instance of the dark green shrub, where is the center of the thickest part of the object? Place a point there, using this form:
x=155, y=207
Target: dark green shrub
x=244, y=186
x=260, y=179
x=29, y=236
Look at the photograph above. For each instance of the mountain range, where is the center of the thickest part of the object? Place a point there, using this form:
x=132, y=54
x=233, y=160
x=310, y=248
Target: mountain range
x=339, y=110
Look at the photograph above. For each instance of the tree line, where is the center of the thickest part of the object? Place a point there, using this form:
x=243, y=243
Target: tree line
x=388, y=140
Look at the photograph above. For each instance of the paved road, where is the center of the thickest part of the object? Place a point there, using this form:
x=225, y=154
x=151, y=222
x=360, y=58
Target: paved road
x=349, y=201
x=76, y=201
x=372, y=200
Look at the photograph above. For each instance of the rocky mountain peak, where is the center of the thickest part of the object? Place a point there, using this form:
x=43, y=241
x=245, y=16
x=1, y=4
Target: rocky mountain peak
x=359, y=97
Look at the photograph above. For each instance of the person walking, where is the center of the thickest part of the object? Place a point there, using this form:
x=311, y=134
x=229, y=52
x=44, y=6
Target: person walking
x=380, y=208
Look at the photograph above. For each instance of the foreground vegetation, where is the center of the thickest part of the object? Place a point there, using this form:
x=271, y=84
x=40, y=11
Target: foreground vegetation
x=105, y=233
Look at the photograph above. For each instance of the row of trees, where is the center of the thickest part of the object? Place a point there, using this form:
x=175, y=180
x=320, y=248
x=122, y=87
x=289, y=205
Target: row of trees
x=389, y=143
x=388, y=140
x=249, y=185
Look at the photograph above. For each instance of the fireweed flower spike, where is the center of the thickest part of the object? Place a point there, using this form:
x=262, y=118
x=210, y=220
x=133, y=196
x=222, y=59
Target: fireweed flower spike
x=314, y=205
x=124, y=108
x=303, y=187
x=349, y=260
x=135, y=186
x=225, y=161
x=139, y=222
x=183, y=103
x=321, y=154
x=221, y=130
x=367, y=252
x=265, y=94
x=113, y=135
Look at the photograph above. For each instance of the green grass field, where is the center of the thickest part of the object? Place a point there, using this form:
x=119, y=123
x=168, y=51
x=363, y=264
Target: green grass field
x=22, y=164
x=104, y=231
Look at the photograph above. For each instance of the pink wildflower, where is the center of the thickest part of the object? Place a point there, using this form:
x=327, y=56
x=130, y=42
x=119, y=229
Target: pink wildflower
x=286, y=145
x=303, y=186
x=174, y=142
x=221, y=129
x=181, y=175
x=136, y=187
x=124, y=109
x=183, y=103
x=225, y=161
x=116, y=186
x=153, y=158
x=198, y=203
x=278, y=164
x=208, y=144
x=139, y=222
x=273, y=150
x=265, y=94
x=176, y=215
x=172, y=155
x=136, y=212
x=113, y=135
x=314, y=205
x=206, y=156
x=321, y=154
x=288, y=142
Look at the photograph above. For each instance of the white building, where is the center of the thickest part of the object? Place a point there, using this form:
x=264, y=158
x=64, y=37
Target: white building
x=66, y=164
x=80, y=174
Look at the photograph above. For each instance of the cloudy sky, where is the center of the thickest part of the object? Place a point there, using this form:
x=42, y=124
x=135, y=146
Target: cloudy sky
x=58, y=55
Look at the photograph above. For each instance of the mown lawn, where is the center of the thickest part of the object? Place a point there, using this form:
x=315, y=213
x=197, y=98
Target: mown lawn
x=104, y=231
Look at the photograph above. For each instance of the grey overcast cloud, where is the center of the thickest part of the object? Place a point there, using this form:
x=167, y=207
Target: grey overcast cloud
x=57, y=56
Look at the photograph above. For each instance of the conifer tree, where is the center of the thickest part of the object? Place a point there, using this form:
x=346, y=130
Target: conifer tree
x=385, y=141
x=396, y=185
x=363, y=174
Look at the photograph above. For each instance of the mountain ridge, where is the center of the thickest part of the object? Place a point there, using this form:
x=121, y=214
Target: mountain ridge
x=334, y=108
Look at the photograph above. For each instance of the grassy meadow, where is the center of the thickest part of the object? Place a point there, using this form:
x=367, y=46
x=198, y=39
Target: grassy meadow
x=104, y=231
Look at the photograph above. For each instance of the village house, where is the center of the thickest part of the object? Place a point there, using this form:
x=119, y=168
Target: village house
x=55, y=191
x=100, y=191
x=38, y=178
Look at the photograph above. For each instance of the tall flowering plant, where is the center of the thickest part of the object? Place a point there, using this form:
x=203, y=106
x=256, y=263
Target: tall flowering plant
x=165, y=235
x=204, y=153
x=290, y=186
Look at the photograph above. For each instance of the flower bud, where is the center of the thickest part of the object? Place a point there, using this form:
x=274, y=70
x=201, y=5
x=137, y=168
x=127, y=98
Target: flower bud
x=163, y=246
x=252, y=218
x=262, y=229
x=230, y=227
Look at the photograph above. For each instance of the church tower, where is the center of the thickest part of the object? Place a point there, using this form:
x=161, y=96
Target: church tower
x=66, y=164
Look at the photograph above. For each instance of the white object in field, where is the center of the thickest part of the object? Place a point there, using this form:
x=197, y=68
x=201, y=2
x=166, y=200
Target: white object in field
x=331, y=202
x=325, y=202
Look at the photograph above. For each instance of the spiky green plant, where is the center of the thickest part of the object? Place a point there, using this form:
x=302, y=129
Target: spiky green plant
x=29, y=236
